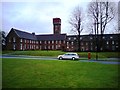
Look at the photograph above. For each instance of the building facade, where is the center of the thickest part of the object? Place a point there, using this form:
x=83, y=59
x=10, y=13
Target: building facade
x=20, y=40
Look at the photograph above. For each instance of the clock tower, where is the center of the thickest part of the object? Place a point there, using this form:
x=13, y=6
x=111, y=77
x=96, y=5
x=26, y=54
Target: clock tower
x=57, y=25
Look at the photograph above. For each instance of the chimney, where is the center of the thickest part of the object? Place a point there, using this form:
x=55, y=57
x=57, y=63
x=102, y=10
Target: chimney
x=33, y=33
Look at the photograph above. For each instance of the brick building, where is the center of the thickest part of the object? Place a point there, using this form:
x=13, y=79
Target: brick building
x=20, y=40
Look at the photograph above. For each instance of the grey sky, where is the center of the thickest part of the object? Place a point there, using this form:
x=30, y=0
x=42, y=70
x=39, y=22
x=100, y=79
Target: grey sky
x=36, y=15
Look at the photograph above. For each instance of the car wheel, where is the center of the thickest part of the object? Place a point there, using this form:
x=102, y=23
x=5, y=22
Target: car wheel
x=73, y=58
x=60, y=58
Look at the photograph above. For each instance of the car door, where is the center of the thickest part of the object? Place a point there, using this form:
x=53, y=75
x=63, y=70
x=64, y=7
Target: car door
x=66, y=56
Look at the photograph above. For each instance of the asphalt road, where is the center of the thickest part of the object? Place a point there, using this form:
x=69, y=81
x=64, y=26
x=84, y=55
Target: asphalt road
x=55, y=58
x=29, y=57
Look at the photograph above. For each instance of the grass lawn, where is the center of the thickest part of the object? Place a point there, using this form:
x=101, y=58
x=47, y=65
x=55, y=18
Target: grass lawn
x=30, y=73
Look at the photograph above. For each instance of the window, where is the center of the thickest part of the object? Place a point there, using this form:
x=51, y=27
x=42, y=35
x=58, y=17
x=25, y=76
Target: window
x=40, y=42
x=107, y=42
x=25, y=41
x=60, y=42
x=80, y=38
x=69, y=38
x=113, y=47
x=45, y=42
x=30, y=41
x=111, y=37
x=48, y=47
x=56, y=47
x=67, y=43
x=90, y=37
x=91, y=43
x=52, y=42
x=112, y=42
x=20, y=46
x=40, y=47
x=52, y=46
x=14, y=47
x=64, y=42
x=116, y=43
x=91, y=48
x=28, y=47
x=72, y=43
x=49, y=42
x=59, y=46
x=25, y=46
x=103, y=37
x=86, y=43
x=81, y=43
x=20, y=40
x=9, y=40
x=116, y=46
x=74, y=38
x=34, y=46
x=56, y=42
x=45, y=47
x=14, y=39
x=37, y=47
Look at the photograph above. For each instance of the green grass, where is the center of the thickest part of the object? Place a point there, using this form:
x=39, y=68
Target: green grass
x=30, y=73
x=34, y=53
x=56, y=53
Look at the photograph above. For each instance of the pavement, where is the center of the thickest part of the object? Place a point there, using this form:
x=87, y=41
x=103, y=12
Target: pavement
x=103, y=61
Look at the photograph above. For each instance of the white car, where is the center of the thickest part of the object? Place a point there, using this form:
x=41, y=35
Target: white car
x=72, y=56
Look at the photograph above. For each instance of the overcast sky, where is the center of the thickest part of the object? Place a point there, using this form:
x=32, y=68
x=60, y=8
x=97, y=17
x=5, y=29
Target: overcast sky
x=36, y=15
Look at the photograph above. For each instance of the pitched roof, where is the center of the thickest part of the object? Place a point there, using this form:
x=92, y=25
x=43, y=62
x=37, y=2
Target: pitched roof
x=25, y=35
x=51, y=37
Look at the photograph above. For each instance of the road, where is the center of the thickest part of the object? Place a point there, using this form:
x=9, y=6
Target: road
x=55, y=58
x=29, y=57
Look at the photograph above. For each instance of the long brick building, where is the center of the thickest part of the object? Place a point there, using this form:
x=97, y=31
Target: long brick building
x=21, y=40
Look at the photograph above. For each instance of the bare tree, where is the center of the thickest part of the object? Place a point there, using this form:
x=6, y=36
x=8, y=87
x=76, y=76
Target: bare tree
x=101, y=13
x=76, y=22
